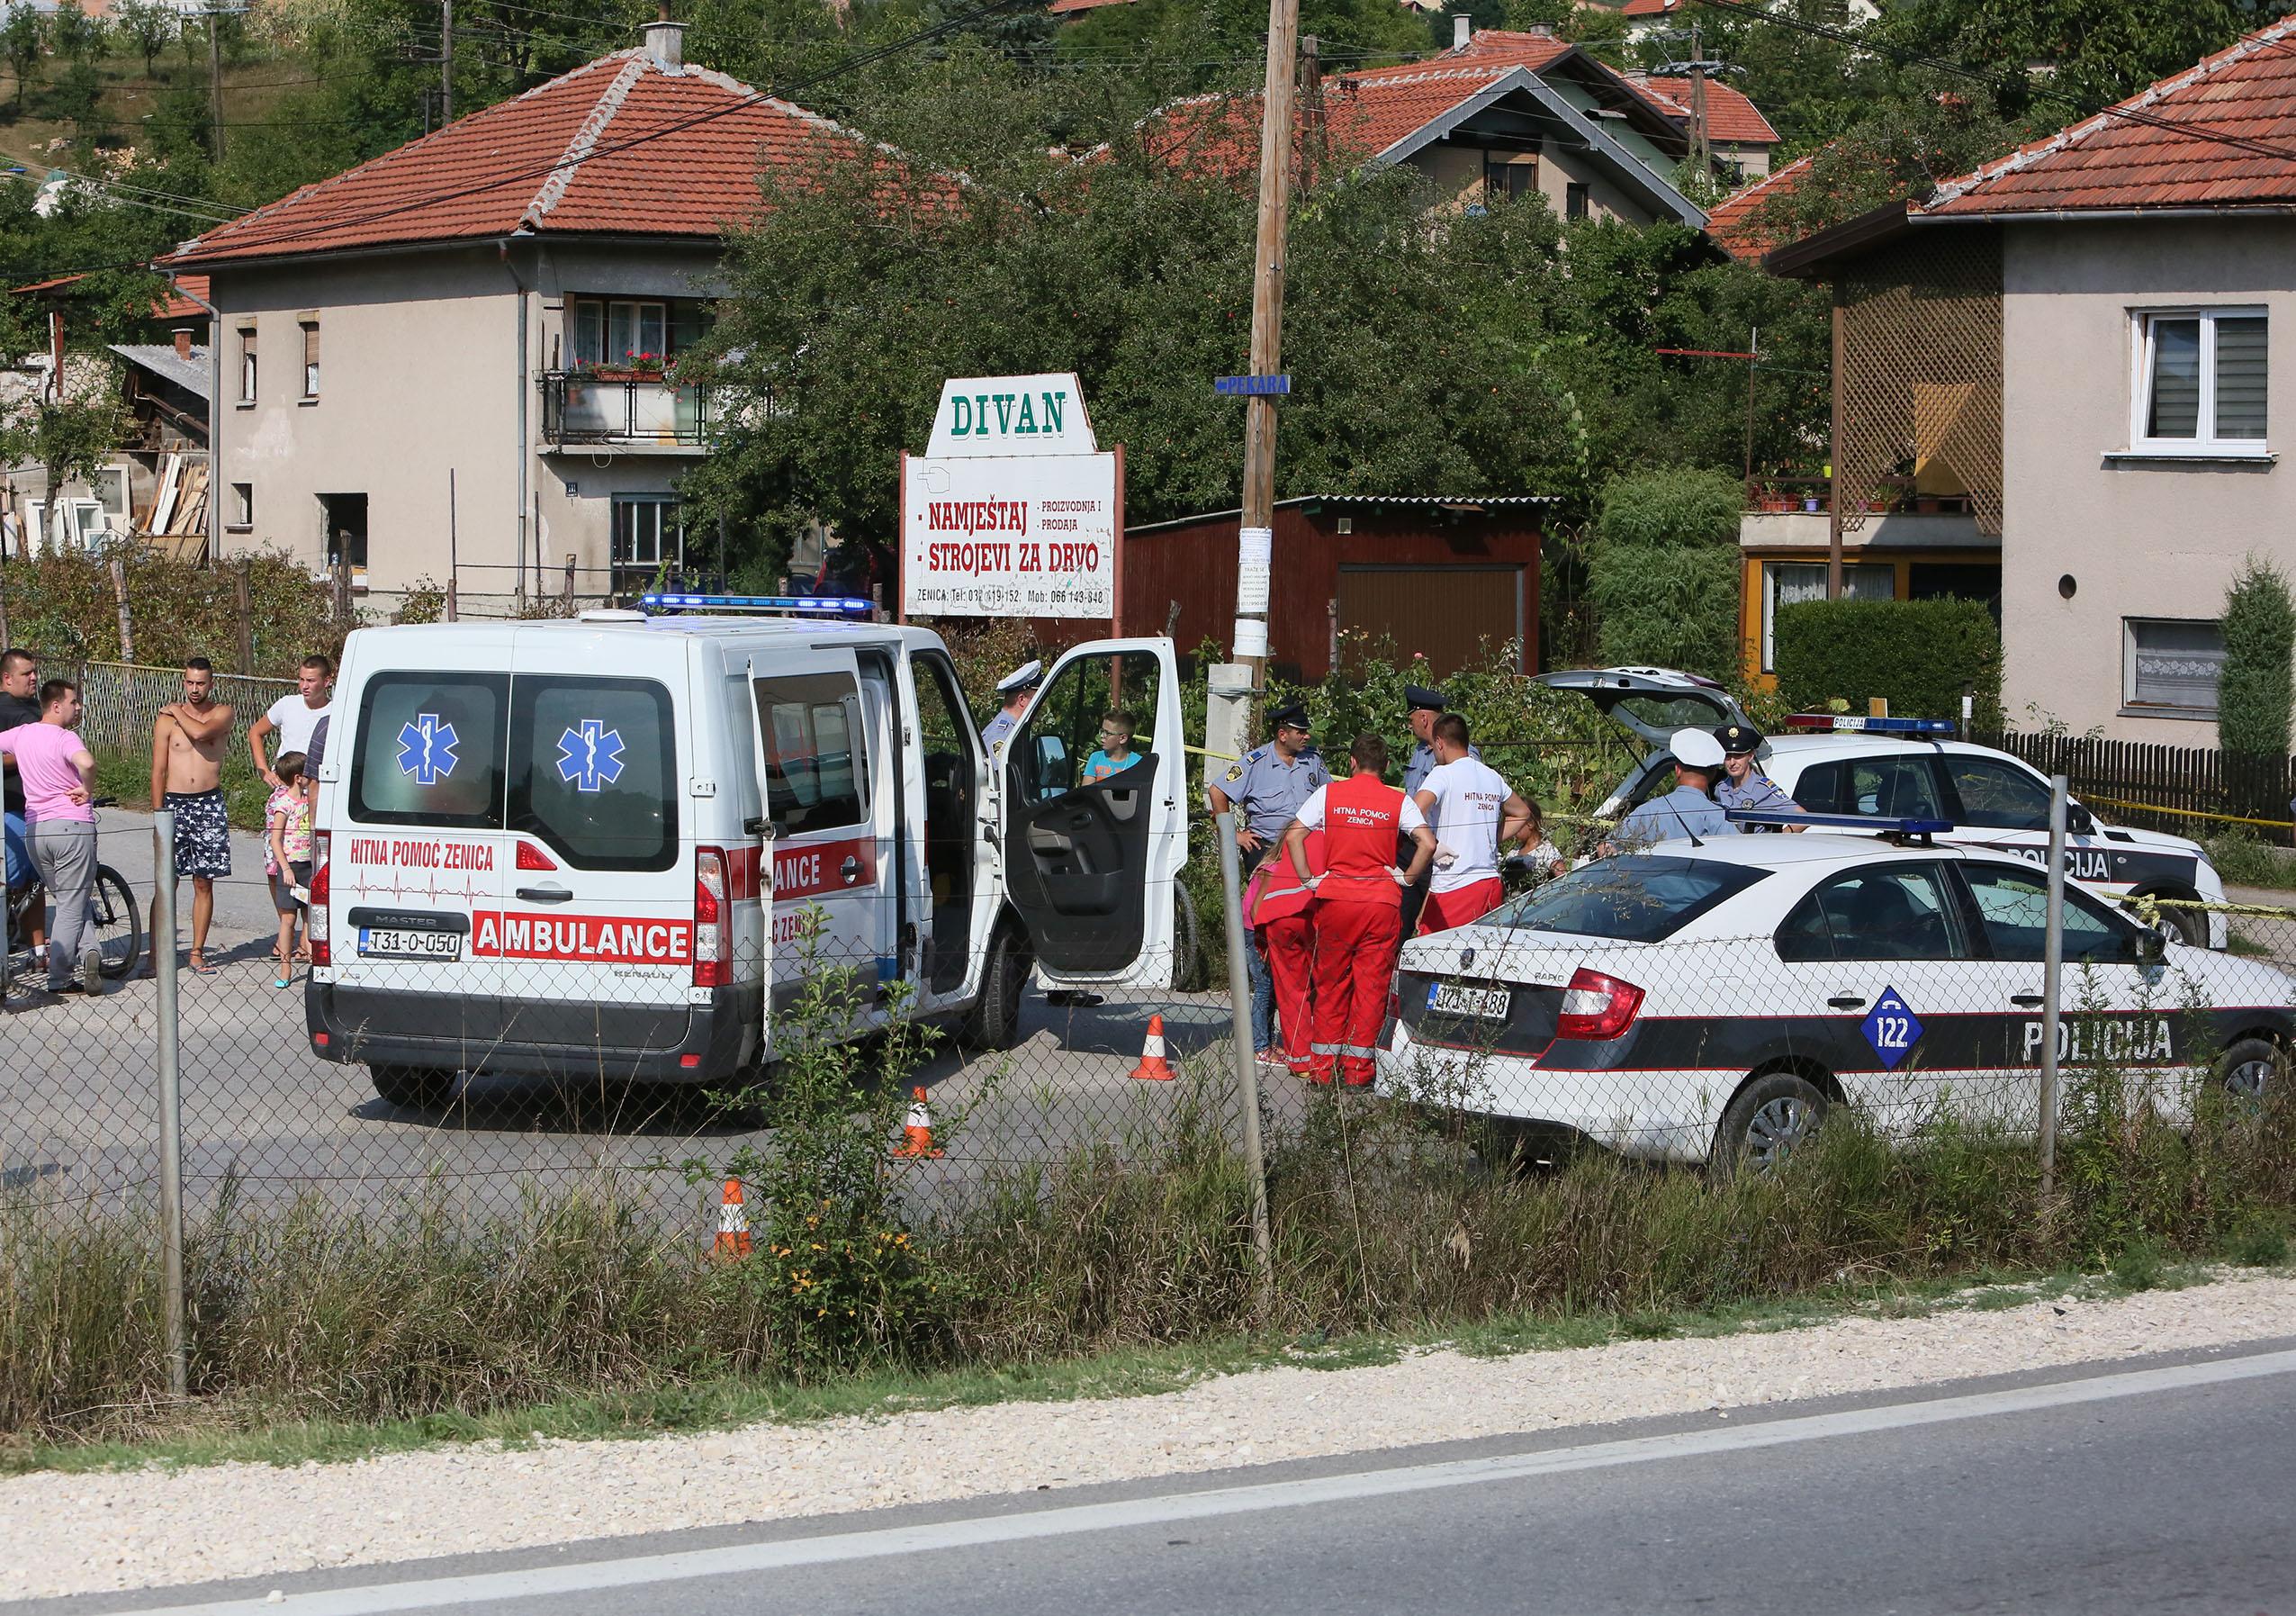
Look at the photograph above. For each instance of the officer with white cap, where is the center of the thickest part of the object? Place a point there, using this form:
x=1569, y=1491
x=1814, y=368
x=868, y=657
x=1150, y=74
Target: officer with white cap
x=1687, y=810
x=1013, y=690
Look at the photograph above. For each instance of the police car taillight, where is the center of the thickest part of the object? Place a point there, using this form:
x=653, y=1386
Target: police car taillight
x=315, y=922
x=1597, y=1006
x=713, y=956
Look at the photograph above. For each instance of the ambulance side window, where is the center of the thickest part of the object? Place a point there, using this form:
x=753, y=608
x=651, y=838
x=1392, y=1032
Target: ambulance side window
x=817, y=751
x=594, y=770
x=430, y=750
x=1094, y=722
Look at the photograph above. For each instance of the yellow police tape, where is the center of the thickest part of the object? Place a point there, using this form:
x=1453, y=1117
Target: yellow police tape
x=2154, y=807
x=2149, y=907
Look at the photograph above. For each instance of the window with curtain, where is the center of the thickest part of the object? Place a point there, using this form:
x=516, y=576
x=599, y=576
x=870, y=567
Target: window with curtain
x=2201, y=382
x=2169, y=666
x=1790, y=583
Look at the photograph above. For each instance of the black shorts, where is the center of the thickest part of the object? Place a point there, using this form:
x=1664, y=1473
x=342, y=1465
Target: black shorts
x=202, y=833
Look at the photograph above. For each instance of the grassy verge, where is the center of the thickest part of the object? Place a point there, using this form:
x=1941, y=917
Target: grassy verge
x=319, y=1333
x=2244, y=860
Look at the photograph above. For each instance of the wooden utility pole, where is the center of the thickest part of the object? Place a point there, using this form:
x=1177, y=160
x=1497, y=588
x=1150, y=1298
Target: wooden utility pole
x=1701, y=148
x=215, y=75
x=446, y=63
x=1256, y=542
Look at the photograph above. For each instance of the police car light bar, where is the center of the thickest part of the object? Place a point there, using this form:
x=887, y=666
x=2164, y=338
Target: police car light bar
x=1872, y=824
x=1843, y=721
x=828, y=606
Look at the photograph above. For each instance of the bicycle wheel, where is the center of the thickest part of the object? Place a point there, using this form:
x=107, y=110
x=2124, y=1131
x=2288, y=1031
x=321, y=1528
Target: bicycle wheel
x=114, y=923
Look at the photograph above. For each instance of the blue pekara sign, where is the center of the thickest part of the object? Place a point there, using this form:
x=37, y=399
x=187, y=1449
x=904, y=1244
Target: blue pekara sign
x=1252, y=386
x=1891, y=1028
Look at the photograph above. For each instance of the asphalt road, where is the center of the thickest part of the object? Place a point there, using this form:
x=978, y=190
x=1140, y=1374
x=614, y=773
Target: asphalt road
x=2121, y=1488
x=78, y=1081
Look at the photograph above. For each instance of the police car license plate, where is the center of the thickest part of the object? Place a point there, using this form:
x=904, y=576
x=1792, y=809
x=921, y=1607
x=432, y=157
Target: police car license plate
x=1456, y=999
x=395, y=943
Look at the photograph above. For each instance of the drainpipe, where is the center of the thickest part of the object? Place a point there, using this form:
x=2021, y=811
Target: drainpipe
x=524, y=448
x=214, y=416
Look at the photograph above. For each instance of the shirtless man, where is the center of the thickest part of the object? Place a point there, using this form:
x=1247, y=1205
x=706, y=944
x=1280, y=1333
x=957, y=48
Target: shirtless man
x=187, y=742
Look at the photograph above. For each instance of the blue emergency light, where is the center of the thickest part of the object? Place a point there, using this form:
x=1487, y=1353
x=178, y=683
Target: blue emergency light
x=1871, y=825
x=833, y=605
x=1847, y=724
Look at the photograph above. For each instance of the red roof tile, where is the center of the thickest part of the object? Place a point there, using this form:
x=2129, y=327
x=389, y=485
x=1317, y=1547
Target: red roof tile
x=1650, y=8
x=1730, y=115
x=621, y=145
x=1364, y=113
x=2219, y=134
x=1732, y=222
x=177, y=305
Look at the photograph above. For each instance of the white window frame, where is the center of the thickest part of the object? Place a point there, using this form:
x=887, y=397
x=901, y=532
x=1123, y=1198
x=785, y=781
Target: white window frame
x=1768, y=584
x=242, y=506
x=310, y=331
x=2130, y=708
x=2204, y=443
x=669, y=523
x=248, y=335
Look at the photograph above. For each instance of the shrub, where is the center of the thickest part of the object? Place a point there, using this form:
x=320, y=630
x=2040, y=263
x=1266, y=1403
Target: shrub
x=1674, y=507
x=1666, y=608
x=2253, y=696
x=1920, y=654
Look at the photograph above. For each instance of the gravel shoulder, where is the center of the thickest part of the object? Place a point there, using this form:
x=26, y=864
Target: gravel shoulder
x=80, y=1534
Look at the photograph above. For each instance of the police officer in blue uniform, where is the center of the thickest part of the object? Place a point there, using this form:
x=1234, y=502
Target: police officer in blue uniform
x=1686, y=810
x=1266, y=787
x=1013, y=690
x=1744, y=785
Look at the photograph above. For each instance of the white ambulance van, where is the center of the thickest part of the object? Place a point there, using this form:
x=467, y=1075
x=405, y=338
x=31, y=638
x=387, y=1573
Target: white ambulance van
x=593, y=849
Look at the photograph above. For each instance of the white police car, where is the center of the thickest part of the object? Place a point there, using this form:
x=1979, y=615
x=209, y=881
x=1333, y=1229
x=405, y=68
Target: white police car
x=1906, y=768
x=1713, y=998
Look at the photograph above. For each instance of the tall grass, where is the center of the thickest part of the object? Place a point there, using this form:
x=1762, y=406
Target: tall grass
x=316, y=1313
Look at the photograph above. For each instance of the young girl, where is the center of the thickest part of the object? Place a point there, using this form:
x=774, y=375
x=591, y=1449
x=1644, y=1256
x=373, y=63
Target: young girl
x=286, y=860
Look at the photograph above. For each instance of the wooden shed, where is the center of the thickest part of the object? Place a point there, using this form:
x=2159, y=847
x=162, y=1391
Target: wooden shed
x=1438, y=574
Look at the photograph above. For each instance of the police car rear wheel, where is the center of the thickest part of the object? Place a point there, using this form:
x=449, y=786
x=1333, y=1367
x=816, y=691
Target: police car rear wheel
x=1770, y=1116
x=2188, y=926
x=412, y=1088
x=2250, y=1067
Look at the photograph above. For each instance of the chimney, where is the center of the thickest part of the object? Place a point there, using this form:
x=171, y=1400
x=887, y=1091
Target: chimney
x=182, y=336
x=1542, y=30
x=664, y=41
x=1462, y=30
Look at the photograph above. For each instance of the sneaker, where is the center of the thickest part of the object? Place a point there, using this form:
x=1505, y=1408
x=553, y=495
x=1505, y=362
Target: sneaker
x=91, y=970
x=1076, y=998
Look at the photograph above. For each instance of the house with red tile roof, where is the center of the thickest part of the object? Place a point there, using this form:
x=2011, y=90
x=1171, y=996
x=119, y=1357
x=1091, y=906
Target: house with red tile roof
x=1501, y=113
x=462, y=343
x=2091, y=343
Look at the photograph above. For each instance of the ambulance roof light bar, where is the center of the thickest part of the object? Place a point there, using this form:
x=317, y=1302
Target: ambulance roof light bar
x=810, y=606
x=1933, y=729
x=1895, y=829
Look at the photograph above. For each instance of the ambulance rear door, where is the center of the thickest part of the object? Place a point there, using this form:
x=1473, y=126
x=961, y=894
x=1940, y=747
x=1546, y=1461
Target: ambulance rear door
x=595, y=930
x=821, y=738
x=417, y=850
x=1094, y=841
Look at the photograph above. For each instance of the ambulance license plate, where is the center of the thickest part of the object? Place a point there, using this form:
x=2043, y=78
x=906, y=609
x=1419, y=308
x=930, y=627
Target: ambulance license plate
x=392, y=942
x=1456, y=999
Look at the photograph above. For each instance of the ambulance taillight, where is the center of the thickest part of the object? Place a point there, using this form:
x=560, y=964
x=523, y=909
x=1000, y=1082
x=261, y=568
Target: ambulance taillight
x=315, y=919
x=713, y=954
x=1595, y=1007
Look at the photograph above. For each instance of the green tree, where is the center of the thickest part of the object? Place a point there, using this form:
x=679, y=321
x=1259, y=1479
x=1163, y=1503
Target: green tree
x=77, y=36
x=147, y=26
x=2258, y=686
x=1663, y=570
x=24, y=42
x=73, y=432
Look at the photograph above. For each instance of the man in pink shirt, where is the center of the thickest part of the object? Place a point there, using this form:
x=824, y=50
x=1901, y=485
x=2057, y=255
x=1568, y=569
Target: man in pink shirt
x=58, y=775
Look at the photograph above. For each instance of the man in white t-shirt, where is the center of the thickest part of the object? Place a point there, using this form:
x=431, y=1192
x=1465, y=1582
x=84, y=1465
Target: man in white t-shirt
x=293, y=718
x=1473, y=812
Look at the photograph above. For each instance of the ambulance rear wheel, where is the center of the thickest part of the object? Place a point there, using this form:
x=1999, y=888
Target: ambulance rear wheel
x=414, y=1088
x=1187, y=943
x=994, y=1023
x=1770, y=1116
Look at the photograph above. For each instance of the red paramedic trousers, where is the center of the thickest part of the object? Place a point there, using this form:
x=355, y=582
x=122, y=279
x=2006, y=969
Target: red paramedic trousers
x=1356, y=948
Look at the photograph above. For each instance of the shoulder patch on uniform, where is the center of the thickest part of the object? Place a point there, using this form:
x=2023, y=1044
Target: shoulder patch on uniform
x=1235, y=771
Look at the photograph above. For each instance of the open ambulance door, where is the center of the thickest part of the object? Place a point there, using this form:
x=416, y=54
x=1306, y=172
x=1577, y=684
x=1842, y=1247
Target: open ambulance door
x=1095, y=831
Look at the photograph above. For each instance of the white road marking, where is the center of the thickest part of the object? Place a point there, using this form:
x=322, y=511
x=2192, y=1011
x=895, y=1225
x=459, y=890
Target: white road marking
x=1163, y=1509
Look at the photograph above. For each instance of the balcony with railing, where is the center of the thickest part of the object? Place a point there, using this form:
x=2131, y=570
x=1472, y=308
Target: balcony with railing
x=1793, y=512
x=632, y=411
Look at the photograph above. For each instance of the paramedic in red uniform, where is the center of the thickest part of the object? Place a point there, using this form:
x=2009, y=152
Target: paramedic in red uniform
x=1279, y=906
x=1359, y=904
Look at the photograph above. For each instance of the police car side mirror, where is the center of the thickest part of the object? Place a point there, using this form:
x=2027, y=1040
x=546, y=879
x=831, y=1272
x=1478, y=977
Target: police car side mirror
x=2152, y=948
x=2079, y=821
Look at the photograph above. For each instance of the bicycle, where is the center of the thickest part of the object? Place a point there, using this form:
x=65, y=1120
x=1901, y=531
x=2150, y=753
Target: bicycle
x=116, y=923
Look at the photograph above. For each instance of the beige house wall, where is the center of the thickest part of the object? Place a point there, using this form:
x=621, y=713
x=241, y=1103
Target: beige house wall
x=1455, y=171
x=2150, y=539
x=421, y=372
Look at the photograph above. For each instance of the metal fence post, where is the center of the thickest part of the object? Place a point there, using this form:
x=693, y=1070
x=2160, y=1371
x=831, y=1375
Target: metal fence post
x=1248, y=1083
x=171, y=1097
x=2052, y=985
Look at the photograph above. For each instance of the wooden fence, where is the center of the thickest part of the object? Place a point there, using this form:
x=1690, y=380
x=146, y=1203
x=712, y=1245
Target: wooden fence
x=2190, y=790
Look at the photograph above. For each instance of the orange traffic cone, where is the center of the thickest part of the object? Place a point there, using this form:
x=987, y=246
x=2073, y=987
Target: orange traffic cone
x=732, y=1222
x=916, y=1131
x=1153, y=1066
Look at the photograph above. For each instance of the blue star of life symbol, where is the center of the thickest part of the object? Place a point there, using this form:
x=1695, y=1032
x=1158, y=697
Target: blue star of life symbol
x=427, y=749
x=589, y=754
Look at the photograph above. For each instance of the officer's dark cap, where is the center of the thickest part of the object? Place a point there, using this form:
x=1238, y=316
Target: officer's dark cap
x=1418, y=696
x=1292, y=716
x=1739, y=740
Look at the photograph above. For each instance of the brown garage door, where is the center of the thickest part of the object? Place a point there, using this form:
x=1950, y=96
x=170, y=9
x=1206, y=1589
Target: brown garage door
x=1447, y=612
